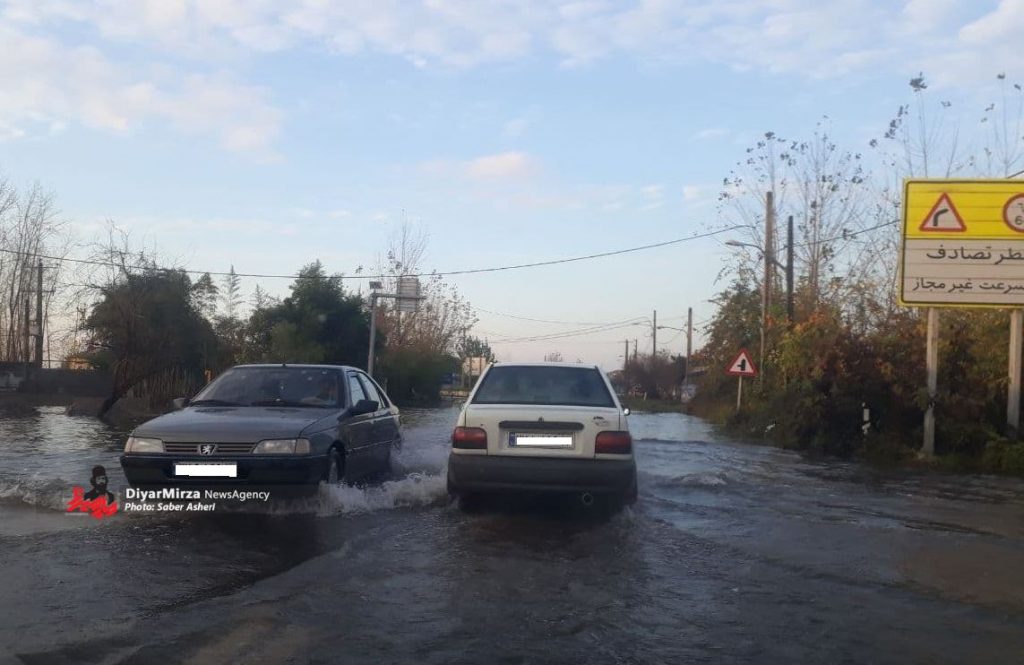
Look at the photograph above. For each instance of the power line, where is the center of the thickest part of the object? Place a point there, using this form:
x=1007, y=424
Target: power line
x=567, y=323
x=566, y=334
x=846, y=235
x=447, y=273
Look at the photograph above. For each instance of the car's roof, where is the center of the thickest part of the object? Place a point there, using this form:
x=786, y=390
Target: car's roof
x=549, y=364
x=298, y=365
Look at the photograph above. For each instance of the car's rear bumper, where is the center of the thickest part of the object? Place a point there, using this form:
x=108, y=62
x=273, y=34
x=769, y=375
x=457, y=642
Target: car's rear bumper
x=255, y=470
x=494, y=473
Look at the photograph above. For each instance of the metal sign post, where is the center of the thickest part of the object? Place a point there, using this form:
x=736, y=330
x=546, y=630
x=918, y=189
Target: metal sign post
x=1016, y=351
x=963, y=246
x=741, y=366
x=408, y=300
x=932, y=364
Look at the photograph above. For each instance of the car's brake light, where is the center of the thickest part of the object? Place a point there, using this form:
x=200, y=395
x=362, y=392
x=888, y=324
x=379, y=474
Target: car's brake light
x=472, y=438
x=613, y=443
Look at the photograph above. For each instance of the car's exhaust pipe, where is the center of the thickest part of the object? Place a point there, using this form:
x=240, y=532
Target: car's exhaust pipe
x=587, y=499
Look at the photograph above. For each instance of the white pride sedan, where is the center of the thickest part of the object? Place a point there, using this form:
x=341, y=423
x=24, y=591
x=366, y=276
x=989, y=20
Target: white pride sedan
x=550, y=427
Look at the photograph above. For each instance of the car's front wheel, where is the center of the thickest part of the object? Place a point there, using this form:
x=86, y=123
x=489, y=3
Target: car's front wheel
x=335, y=468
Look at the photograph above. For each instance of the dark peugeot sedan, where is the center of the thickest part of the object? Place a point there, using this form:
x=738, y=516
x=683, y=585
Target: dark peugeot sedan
x=269, y=425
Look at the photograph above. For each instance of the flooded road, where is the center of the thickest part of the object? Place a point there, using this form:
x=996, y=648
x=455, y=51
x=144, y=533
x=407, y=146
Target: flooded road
x=735, y=553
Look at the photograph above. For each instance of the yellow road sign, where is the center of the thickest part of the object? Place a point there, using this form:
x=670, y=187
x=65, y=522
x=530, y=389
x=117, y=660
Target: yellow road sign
x=963, y=243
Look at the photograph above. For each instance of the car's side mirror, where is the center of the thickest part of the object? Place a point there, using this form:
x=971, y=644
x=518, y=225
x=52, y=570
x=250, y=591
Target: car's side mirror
x=625, y=411
x=364, y=406
x=180, y=403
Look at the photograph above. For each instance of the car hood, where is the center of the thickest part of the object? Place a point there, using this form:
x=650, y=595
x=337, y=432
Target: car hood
x=231, y=424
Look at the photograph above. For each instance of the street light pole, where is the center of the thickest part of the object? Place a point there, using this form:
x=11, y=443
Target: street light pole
x=373, y=333
x=789, y=272
x=766, y=285
x=375, y=294
x=654, y=336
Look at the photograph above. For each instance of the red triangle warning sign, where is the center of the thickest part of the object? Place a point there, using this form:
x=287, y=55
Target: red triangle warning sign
x=943, y=217
x=742, y=365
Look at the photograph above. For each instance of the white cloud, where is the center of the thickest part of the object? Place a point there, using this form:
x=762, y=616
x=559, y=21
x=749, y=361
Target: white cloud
x=692, y=193
x=514, y=128
x=1004, y=22
x=803, y=36
x=652, y=191
x=48, y=86
x=502, y=166
x=180, y=47
x=710, y=134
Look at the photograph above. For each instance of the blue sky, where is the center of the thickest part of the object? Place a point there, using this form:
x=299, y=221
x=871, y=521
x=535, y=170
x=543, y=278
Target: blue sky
x=268, y=133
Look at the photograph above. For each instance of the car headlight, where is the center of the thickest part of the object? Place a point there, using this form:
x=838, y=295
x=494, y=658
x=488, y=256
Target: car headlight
x=138, y=444
x=282, y=447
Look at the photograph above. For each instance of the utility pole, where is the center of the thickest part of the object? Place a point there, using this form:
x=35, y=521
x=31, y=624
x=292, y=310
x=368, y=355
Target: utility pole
x=39, y=315
x=635, y=350
x=373, y=333
x=769, y=269
x=689, y=342
x=28, y=335
x=790, y=309
x=375, y=294
x=654, y=336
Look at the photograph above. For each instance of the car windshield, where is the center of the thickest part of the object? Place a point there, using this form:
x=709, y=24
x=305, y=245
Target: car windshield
x=273, y=386
x=562, y=386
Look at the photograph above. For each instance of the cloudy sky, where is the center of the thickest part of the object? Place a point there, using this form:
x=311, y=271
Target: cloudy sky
x=267, y=133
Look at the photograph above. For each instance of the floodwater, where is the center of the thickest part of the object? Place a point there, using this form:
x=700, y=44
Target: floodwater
x=734, y=553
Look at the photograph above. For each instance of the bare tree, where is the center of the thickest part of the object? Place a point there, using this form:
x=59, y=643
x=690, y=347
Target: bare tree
x=29, y=230
x=437, y=325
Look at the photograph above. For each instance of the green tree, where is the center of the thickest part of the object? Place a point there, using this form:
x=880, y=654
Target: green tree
x=231, y=294
x=146, y=323
x=474, y=347
x=318, y=322
x=204, y=296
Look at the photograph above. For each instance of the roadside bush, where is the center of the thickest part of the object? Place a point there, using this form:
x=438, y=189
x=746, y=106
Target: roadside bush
x=1004, y=456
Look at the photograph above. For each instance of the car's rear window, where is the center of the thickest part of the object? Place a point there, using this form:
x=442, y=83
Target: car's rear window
x=561, y=386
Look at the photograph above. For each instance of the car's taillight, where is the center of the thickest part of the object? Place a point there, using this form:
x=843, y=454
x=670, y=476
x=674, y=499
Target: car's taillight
x=613, y=443
x=473, y=438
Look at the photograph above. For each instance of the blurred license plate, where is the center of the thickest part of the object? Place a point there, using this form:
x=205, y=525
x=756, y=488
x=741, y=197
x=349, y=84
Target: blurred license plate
x=540, y=441
x=228, y=470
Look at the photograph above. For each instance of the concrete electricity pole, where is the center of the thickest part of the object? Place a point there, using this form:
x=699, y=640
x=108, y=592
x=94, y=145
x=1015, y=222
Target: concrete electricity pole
x=39, y=315
x=689, y=342
x=654, y=336
x=28, y=335
x=790, y=313
x=769, y=271
x=625, y=369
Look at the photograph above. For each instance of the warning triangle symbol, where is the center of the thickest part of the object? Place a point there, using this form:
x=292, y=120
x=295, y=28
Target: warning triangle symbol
x=742, y=365
x=943, y=217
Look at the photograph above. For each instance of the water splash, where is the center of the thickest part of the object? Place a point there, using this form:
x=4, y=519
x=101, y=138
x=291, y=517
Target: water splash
x=52, y=494
x=416, y=489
